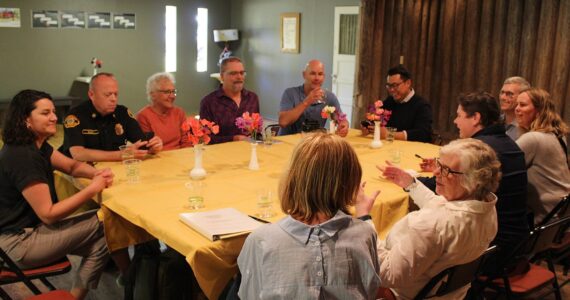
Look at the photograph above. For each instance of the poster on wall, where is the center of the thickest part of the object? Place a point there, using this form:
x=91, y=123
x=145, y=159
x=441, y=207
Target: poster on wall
x=124, y=21
x=45, y=19
x=72, y=19
x=9, y=17
x=99, y=20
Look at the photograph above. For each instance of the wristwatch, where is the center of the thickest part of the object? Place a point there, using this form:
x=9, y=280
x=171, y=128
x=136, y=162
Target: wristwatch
x=365, y=218
x=411, y=185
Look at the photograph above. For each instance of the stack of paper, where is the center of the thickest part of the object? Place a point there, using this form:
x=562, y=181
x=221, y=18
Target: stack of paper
x=220, y=223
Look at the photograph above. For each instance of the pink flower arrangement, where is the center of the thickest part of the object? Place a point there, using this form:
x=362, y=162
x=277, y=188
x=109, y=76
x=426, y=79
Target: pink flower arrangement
x=377, y=113
x=198, y=130
x=329, y=112
x=250, y=124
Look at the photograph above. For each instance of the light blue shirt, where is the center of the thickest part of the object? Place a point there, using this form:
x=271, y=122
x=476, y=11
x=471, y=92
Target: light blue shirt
x=293, y=96
x=292, y=260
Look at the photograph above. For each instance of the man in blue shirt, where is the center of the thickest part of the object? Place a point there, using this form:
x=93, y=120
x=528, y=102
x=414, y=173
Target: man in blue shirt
x=302, y=103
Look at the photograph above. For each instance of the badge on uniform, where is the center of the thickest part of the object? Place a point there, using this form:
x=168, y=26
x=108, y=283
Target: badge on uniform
x=130, y=113
x=119, y=129
x=71, y=121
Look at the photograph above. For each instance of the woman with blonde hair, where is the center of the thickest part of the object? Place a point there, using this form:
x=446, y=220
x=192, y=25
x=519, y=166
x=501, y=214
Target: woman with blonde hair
x=318, y=251
x=545, y=149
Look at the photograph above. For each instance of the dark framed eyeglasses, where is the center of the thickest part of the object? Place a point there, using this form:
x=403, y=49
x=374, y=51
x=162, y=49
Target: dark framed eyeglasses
x=392, y=86
x=445, y=170
x=168, y=92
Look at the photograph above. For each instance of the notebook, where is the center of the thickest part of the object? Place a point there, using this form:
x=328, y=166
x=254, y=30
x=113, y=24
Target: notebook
x=220, y=223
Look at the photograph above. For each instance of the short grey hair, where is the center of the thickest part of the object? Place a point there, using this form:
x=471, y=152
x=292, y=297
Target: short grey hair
x=523, y=83
x=479, y=164
x=154, y=79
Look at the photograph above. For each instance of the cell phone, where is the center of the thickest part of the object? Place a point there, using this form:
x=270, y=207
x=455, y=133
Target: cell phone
x=147, y=136
x=366, y=123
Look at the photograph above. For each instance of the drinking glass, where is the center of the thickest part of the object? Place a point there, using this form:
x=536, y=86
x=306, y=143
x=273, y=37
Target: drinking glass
x=390, y=131
x=126, y=152
x=132, y=169
x=395, y=156
x=265, y=203
x=196, y=194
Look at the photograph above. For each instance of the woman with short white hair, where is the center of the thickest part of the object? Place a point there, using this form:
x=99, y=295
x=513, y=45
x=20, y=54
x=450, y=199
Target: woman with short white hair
x=451, y=228
x=162, y=117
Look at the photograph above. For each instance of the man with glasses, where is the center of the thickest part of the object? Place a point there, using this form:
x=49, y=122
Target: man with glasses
x=411, y=114
x=478, y=117
x=511, y=89
x=94, y=129
x=229, y=102
x=304, y=103
x=162, y=117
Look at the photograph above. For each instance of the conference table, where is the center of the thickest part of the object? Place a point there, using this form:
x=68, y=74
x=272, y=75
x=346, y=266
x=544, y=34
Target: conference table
x=151, y=207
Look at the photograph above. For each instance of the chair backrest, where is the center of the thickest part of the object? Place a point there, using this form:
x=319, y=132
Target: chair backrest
x=455, y=277
x=543, y=237
x=560, y=210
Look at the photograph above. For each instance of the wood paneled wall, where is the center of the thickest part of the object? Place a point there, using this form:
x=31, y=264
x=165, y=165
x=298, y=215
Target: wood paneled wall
x=457, y=46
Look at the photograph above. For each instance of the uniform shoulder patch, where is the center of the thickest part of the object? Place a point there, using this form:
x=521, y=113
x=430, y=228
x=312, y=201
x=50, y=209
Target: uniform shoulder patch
x=130, y=113
x=71, y=121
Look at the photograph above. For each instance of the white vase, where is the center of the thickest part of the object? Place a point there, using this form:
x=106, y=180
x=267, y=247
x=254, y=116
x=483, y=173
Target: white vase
x=198, y=172
x=253, y=164
x=376, y=143
x=332, y=127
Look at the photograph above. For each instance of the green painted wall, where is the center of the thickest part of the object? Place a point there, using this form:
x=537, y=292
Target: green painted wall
x=270, y=71
x=50, y=59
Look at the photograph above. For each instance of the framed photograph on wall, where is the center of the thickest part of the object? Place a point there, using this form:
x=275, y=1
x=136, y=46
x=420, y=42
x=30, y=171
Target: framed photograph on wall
x=45, y=19
x=290, y=31
x=72, y=19
x=9, y=17
x=99, y=20
x=124, y=21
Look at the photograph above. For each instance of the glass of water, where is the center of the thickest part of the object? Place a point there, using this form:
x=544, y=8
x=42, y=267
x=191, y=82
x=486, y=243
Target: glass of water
x=196, y=194
x=265, y=203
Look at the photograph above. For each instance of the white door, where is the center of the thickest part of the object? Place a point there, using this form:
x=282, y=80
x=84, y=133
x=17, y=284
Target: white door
x=346, y=25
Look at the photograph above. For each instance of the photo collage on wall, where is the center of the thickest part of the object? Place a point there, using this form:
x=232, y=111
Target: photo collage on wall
x=82, y=20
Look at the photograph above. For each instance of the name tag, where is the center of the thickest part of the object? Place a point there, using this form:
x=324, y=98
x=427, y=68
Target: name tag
x=90, y=131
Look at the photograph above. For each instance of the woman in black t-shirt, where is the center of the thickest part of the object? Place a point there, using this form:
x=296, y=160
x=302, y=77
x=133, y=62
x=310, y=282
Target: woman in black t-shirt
x=34, y=230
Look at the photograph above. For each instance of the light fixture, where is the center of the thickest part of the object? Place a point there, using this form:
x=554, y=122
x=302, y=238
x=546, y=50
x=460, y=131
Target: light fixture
x=226, y=36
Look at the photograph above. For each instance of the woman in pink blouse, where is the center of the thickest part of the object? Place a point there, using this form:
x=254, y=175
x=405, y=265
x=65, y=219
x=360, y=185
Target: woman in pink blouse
x=162, y=117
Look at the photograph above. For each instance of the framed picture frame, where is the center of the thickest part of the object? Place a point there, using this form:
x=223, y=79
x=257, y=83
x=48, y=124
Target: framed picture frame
x=290, y=31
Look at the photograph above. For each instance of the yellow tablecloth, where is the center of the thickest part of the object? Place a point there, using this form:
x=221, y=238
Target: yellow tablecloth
x=155, y=202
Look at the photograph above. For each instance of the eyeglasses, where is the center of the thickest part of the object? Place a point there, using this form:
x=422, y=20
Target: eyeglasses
x=234, y=73
x=445, y=170
x=168, y=92
x=392, y=86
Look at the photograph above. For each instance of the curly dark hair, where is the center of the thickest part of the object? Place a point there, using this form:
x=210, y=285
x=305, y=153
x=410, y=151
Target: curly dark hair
x=15, y=131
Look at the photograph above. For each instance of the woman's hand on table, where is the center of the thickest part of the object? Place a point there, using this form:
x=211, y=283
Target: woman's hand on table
x=396, y=175
x=103, y=177
x=154, y=145
x=364, y=202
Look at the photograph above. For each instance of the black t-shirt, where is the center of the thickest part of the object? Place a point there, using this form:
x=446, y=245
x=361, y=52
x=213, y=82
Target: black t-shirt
x=21, y=165
x=84, y=126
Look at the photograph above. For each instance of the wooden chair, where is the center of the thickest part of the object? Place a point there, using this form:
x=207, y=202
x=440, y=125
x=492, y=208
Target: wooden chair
x=537, y=277
x=11, y=273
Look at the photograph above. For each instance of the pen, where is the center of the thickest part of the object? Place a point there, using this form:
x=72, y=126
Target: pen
x=258, y=219
x=418, y=156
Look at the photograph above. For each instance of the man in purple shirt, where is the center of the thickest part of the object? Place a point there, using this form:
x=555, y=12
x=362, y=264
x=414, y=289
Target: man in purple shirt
x=229, y=102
